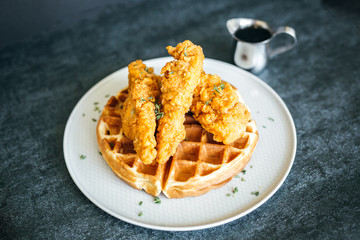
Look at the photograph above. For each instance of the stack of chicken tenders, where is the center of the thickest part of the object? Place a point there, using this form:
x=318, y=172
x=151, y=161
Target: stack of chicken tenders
x=182, y=133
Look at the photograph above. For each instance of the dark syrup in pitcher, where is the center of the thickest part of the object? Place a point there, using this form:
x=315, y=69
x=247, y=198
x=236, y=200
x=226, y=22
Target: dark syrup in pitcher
x=252, y=34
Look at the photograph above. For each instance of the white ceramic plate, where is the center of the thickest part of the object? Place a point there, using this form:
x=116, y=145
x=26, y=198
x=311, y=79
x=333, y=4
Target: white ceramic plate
x=267, y=170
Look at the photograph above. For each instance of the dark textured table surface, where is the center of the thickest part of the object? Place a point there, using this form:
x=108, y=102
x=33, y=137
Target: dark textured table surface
x=42, y=79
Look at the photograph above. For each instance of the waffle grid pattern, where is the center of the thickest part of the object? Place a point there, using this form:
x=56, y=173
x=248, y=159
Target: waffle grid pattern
x=199, y=164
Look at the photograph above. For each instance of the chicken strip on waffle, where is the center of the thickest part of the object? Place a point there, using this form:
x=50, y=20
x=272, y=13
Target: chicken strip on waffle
x=137, y=114
x=178, y=82
x=216, y=106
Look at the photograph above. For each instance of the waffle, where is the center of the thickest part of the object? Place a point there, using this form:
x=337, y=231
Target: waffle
x=199, y=164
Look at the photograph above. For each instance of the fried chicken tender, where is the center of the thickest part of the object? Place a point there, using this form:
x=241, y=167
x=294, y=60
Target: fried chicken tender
x=178, y=82
x=217, y=108
x=137, y=114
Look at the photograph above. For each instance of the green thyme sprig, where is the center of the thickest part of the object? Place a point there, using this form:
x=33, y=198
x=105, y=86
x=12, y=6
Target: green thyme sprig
x=219, y=88
x=208, y=101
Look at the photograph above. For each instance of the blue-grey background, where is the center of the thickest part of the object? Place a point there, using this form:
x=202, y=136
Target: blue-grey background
x=52, y=52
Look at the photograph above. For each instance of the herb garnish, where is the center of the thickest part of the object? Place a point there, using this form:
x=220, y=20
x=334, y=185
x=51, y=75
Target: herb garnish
x=140, y=203
x=94, y=120
x=222, y=86
x=208, y=101
x=150, y=98
x=107, y=95
x=147, y=70
x=243, y=180
x=264, y=126
x=185, y=53
x=243, y=171
x=143, y=100
x=237, y=176
x=255, y=193
x=96, y=103
x=100, y=153
x=83, y=114
x=171, y=72
x=228, y=194
x=82, y=156
x=216, y=89
x=157, y=200
x=158, y=114
x=140, y=214
x=271, y=119
x=235, y=190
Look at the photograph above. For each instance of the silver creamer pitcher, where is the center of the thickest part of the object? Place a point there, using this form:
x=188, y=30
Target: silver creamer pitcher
x=253, y=39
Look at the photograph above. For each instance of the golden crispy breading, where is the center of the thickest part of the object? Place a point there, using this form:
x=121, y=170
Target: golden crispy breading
x=217, y=108
x=138, y=117
x=177, y=86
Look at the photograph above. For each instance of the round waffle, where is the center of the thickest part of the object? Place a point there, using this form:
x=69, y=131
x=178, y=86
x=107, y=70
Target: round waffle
x=199, y=164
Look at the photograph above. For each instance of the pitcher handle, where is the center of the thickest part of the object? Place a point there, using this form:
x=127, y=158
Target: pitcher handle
x=283, y=30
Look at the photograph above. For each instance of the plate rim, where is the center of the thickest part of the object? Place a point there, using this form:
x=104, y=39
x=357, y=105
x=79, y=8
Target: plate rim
x=180, y=228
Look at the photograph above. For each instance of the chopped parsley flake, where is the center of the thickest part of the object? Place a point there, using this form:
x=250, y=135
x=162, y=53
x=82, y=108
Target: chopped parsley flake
x=228, y=195
x=271, y=119
x=243, y=171
x=250, y=166
x=140, y=213
x=157, y=200
x=171, y=72
x=82, y=156
x=143, y=100
x=147, y=70
x=243, y=180
x=96, y=103
x=83, y=114
x=158, y=114
x=140, y=203
x=237, y=176
x=235, y=190
x=100, y=153
x=107, y=95
x=150, y=98
x=94, y=120
x=264, y=126
x=255, y=193
x=185, y=53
